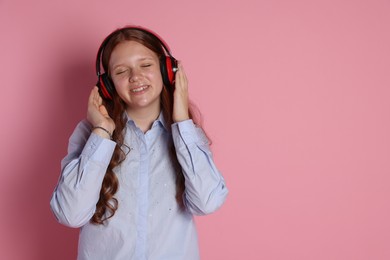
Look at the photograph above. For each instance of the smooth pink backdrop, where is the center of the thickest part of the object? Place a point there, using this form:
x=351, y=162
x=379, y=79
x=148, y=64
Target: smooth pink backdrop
x=295, y=95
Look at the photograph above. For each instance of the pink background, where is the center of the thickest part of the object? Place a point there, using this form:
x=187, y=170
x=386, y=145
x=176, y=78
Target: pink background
x=295, y=95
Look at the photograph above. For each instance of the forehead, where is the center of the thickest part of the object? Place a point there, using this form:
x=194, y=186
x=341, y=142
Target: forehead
x=131, y=50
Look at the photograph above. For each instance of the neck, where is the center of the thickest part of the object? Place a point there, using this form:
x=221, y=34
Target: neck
x=144, y=117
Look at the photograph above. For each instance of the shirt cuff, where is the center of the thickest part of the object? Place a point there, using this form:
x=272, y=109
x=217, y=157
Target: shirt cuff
x=99, y=149
x=187, y=131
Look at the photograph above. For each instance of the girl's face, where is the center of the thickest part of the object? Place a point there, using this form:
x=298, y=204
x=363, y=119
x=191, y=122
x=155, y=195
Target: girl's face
x=135, y=71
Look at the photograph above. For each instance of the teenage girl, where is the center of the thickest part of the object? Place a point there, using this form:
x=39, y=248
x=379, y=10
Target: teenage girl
x=139, y=167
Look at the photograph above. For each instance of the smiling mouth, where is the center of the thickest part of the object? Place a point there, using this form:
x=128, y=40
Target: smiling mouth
x=136, y=90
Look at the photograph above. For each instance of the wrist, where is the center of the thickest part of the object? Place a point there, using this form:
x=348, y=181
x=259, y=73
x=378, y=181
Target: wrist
x=102, y=131
x=181, y=117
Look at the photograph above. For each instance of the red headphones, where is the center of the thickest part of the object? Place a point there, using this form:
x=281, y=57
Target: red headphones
x=168, y=65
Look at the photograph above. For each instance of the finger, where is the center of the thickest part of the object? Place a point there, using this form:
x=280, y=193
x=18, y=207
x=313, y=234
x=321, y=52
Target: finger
x=91, y=97
x=182, y=71
x=181, y=78
x=103, y=110
x=94, y=98
x=97, y=98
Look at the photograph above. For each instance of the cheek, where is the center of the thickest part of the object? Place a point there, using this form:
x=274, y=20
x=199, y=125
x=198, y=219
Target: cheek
x=119, y=83
x=156, y=77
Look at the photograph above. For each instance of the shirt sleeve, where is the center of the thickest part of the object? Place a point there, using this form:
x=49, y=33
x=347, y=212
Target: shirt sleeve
x=82, y=171
x=205, y=188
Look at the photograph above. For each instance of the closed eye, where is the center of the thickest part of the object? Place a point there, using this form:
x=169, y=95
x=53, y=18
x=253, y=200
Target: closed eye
x=120, y=72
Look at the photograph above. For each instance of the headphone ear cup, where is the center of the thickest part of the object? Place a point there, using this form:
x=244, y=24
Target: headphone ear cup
x=105, y=86
x=168, y=66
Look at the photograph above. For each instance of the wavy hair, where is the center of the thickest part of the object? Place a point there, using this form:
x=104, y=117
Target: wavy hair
x=107, y=203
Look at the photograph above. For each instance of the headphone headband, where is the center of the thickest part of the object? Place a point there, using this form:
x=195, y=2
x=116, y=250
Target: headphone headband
x=138, y=28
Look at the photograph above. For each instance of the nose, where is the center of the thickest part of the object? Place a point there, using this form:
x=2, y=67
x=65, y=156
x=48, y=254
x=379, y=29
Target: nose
x=135, y=75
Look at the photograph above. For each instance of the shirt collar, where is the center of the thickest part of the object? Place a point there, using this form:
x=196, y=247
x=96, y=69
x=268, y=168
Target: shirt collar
x=159, y=121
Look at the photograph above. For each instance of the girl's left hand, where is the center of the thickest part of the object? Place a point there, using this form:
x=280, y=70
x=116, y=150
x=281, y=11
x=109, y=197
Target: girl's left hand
x=180, y=96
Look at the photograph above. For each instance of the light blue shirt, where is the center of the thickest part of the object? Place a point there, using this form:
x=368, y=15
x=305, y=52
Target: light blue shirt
x=149, y=224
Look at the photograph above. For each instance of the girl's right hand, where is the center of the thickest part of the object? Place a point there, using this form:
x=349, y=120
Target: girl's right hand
x=97, y=114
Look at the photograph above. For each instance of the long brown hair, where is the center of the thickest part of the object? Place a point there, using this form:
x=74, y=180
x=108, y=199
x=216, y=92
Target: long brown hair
x=108, y=204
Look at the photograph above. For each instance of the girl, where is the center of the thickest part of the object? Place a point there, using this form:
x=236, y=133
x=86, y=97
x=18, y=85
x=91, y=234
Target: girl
x=139, y=167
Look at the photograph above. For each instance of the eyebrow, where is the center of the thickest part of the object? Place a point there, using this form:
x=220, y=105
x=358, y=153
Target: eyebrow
x=140, y=59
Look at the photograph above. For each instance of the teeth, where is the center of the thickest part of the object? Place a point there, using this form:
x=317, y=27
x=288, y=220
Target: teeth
x=139, y=89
